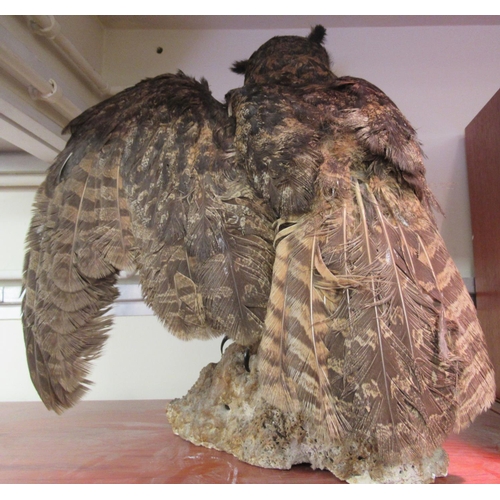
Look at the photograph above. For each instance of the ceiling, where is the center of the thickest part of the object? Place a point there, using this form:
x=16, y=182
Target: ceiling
x=287, y=22
x=7, y=147
x=253, y=22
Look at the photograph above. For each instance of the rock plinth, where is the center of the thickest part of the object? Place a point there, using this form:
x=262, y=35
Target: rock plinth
x=225, y=410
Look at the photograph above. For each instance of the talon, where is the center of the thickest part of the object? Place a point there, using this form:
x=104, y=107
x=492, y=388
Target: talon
x=247, y=360
x=224, y=340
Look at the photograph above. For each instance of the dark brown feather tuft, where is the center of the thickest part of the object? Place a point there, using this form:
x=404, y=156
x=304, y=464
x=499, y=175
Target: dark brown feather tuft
x=240, y=67
x=317, y=34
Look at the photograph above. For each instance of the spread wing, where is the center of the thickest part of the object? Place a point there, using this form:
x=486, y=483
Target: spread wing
x=370, y=331
x=147, y=182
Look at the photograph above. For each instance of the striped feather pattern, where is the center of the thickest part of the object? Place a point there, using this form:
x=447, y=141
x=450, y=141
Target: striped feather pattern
x=147, y=182
x=361, y=335
x=301, y=226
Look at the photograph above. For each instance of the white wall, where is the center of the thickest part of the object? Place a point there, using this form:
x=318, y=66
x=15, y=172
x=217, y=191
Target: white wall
x=15, y=214
x=439, y=77
x=140, y=361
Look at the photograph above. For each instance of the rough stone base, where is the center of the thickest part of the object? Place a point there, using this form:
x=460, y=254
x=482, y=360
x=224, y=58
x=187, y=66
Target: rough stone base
x=225, y=411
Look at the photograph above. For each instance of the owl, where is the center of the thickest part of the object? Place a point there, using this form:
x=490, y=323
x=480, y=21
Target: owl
x=294, y=219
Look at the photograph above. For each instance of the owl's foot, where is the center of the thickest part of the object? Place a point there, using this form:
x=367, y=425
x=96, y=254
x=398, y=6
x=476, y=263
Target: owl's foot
x=247, y=354
x=247, y=359
x=224, y=340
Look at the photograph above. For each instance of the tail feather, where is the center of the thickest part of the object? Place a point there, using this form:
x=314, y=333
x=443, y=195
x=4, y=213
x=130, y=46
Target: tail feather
x=294, y=360
x=352, y=336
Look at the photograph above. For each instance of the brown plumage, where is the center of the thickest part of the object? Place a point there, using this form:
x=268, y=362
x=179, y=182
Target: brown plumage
x=295, y=218
x=146, y=181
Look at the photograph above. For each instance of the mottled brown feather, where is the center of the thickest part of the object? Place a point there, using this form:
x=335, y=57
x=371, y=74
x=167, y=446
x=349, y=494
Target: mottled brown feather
x=146, y=182
x=367, y=332
x=385, y=292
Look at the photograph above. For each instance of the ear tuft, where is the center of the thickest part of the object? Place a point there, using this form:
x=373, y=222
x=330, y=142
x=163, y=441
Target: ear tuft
x=205, y=84
x=240, y=67
x=317, y=34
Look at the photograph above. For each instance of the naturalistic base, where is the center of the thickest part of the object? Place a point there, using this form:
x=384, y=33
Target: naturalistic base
x=224, y=410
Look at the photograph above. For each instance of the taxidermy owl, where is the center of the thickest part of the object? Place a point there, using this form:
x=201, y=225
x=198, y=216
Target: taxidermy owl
x=295, y=219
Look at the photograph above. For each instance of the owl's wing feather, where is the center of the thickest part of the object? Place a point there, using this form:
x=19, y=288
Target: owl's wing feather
x=294, y=361
x=391, y=142
x=386, y=336
x=68, y=280
x=351, y=337
x=146, y=182
x=384, y=132
x=458, y=333
x=393, y=365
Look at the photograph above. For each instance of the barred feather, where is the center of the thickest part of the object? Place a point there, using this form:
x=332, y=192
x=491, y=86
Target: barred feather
x=146, y=182
x=368, y=332
x=387, y=372
x=294, y=359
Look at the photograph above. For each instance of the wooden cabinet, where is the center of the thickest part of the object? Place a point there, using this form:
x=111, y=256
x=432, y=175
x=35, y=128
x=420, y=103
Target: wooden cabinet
x=482, y=142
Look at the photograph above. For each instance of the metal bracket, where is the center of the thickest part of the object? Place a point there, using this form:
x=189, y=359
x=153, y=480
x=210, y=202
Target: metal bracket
x=129, y=302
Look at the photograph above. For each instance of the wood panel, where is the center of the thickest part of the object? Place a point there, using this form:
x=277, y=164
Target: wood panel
x=132, y=442
x=482, y=142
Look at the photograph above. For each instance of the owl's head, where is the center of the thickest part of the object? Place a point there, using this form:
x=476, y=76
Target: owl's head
x=289, y=60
